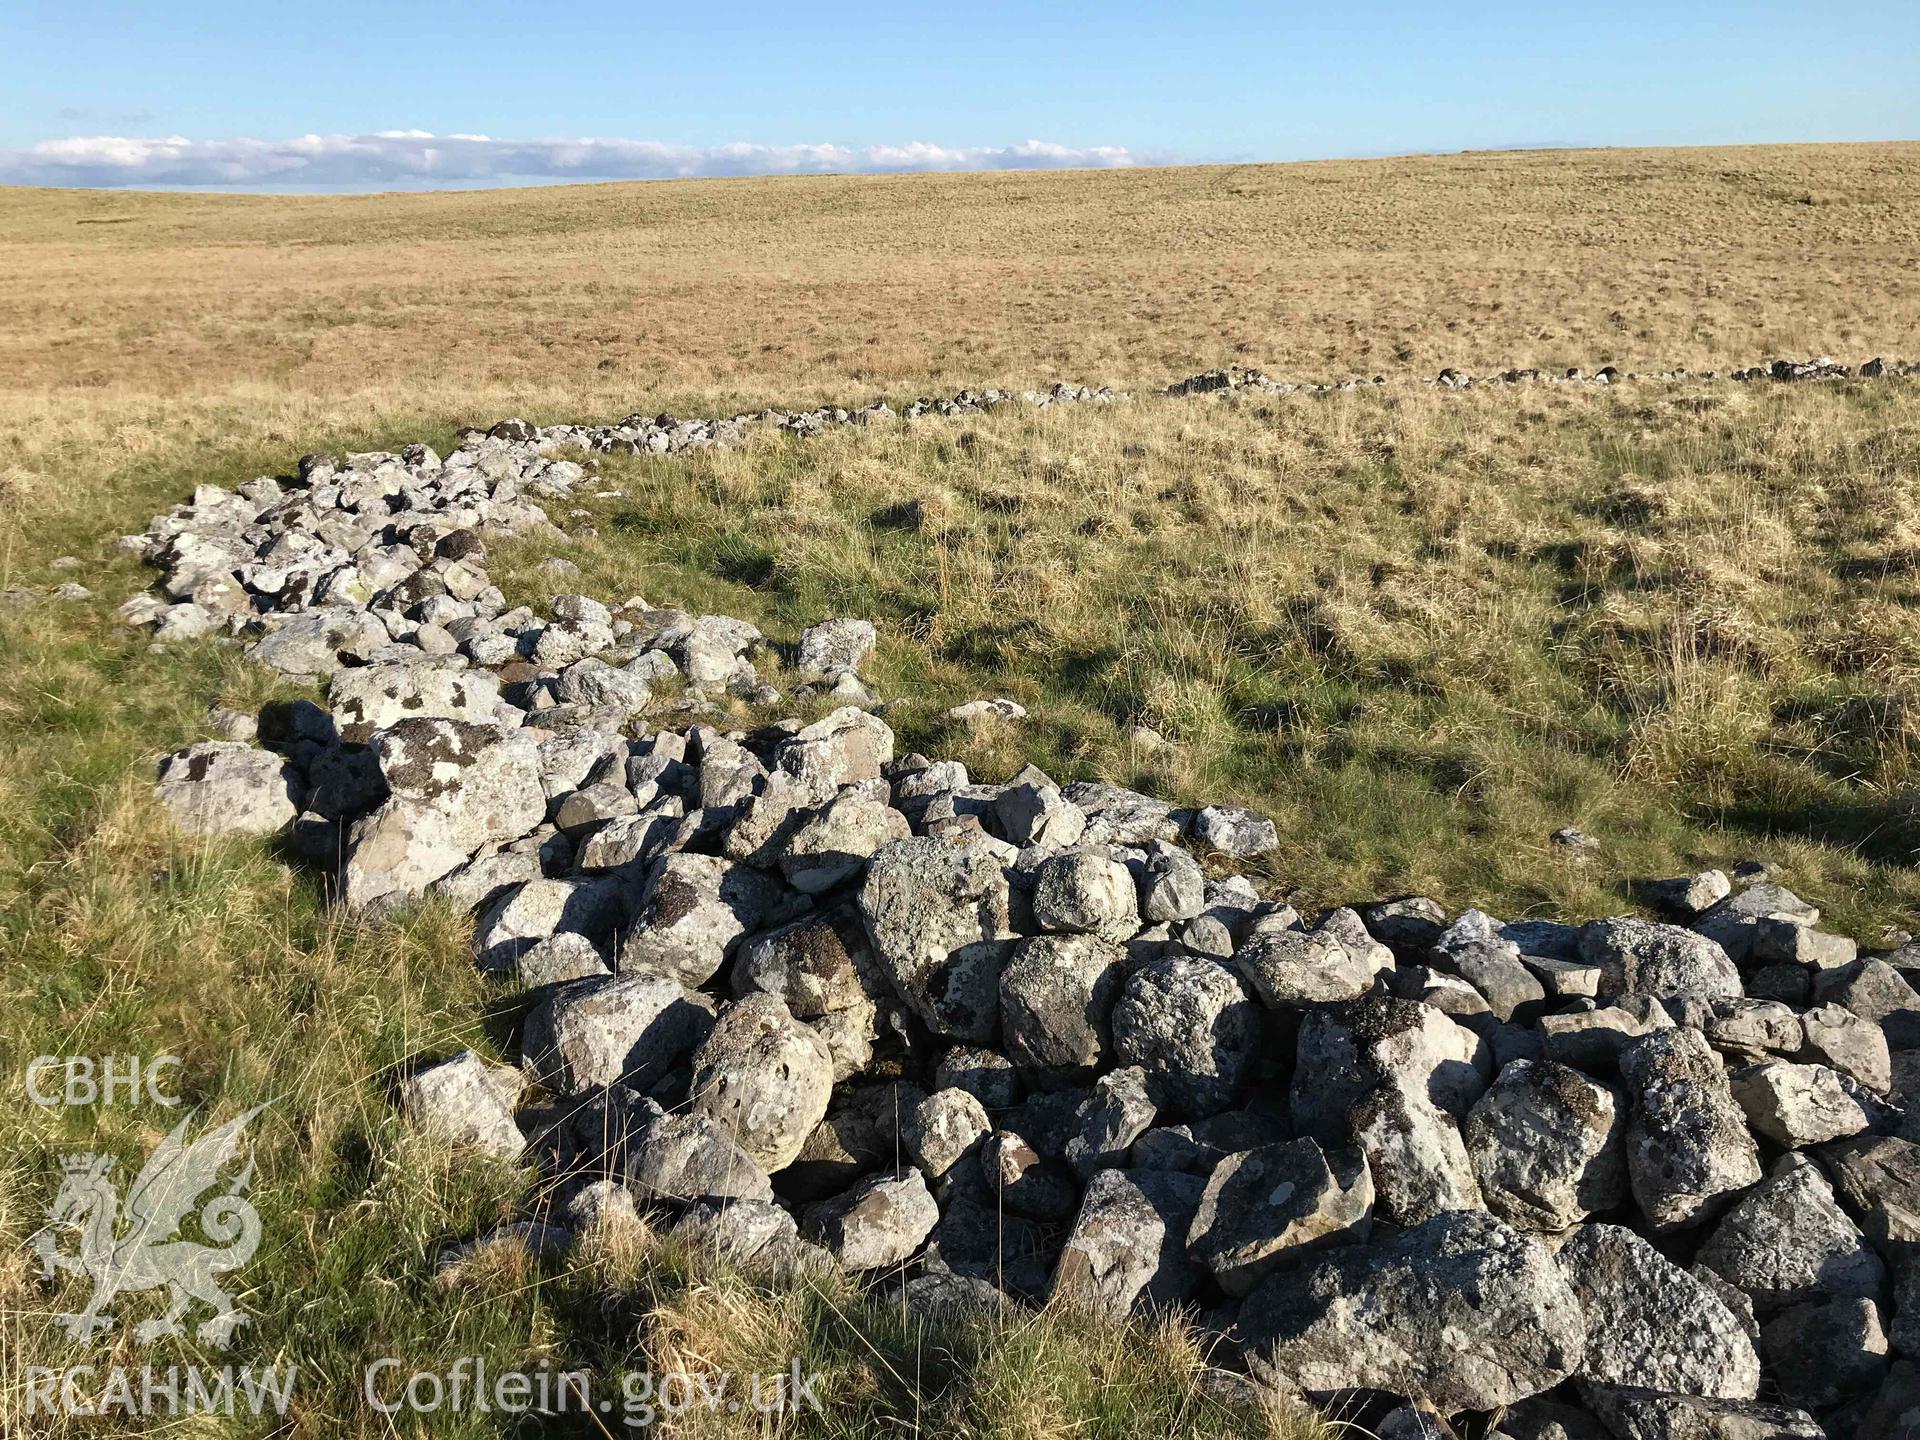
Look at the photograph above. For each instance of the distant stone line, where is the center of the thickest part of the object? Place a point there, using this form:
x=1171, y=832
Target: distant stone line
x=639, y=434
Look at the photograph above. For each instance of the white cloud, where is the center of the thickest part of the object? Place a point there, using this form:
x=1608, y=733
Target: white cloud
x=416, y=158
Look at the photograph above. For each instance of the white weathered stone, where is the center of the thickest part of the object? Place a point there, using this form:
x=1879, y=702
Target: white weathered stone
x=465, y=1101
x=763, y=1078
x=227, y=787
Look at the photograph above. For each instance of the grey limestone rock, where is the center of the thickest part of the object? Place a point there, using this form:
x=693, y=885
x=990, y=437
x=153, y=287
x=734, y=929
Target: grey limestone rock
x=1462, y=1309
x=1276, y=1206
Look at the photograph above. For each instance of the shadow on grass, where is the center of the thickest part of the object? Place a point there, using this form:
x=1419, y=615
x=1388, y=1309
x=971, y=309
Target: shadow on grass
x=1885, y=832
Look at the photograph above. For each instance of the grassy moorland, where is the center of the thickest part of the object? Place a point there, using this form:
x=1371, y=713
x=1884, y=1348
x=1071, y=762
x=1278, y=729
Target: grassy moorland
x=1422, y=630
x=795, y=289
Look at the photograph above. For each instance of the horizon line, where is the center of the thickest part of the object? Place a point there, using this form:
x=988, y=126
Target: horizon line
x=803, y=163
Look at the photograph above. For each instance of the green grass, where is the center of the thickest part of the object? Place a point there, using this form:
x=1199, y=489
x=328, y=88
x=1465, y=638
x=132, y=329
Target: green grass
x=118, y=937
x=1422, y=632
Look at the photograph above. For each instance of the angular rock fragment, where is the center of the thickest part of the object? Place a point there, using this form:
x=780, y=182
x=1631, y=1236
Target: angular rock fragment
x=1345, y=1051
x=1638, y=1413
x=321, y=641
x=1875, y=991
x=1033, y=812
x=1779, y=940
x=690, y=1157
x=487, y=786
x=1462, y=1310
x=557, y=959
x=1548, y=1145
x=1173, y=886
x=1827, y=1352
x=1190, y=1025
x=1292, y=968
x=1024, y=1181
x=1494, y=968
x=1057, y=995
x=763, y=1078
x=833, y=648
x=1797, y=1105
x=1733, y=922
x=228, y=787
x=835, y=845
x=945, y=1129
x=465, y=1101
x=985, y=1074
x=397, y=852
x=1127, y=1246
x=845, y=748
x=1083, y=893
x=377, y=697
x=1117, y=816
x=937, y=915
x=1688, y=1149
x=1591, y=1039
x=1408, y=926
x=1276, y=1206
x=1114, y=1113
x=1414, y=1153
x=880, y=1222
x=1345, y=925
x=1651, y=1323
x=809, y=964
x=692, y=910
x=1877, y=1181
x=633, y=1028
x=1638, y=957
x=1236, y=831
x=539, y=910
x=740, y=1230
x=1855, y=1047
x=1688, y=896
x=1751, y=1030
x=1787, y=1242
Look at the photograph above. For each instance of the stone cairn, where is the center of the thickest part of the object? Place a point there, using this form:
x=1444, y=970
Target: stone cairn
x=809, y=1003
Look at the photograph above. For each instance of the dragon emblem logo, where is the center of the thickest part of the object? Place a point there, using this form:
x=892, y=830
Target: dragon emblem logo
x=140, y=1247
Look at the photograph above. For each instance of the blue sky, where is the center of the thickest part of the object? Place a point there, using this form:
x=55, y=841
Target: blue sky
x=227, y=85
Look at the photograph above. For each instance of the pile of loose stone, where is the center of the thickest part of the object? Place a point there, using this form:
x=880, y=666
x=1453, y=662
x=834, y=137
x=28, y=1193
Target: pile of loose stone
x=804, y=1001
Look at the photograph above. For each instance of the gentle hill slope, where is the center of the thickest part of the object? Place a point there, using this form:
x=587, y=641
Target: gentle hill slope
x=801, y=289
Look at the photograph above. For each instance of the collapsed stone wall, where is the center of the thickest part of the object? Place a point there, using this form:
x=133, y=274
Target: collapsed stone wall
x=1786, y=371
x=666, y=434
x=640, y=434
x=815, y=1003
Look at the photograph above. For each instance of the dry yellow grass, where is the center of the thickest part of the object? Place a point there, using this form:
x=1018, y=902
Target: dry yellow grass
x=791, y=289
